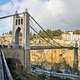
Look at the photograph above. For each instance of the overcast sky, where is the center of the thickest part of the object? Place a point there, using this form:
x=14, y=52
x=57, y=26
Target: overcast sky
x=53, y=14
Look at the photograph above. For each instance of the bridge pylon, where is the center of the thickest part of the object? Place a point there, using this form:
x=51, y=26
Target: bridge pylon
x=21, y=23
x=75, y=62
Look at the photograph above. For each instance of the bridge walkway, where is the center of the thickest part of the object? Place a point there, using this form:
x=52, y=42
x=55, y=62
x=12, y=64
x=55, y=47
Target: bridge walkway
x=4, y=70
x=1, y=69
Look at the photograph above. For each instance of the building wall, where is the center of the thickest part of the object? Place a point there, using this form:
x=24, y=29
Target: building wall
x=71, y=37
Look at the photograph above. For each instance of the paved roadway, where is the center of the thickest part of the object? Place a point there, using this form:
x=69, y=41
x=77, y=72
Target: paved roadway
x=55, y=74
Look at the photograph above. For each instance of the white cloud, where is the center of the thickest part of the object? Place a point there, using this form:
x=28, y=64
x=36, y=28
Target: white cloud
x=47, y=12
x=42, y=11
x=55, y=7
x=35, y=7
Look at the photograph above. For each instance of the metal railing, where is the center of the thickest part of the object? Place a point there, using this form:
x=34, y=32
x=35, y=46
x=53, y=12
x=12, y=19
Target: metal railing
x=6, y=71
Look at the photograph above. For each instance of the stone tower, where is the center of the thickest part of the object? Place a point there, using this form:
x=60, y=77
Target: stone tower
x=21, y=23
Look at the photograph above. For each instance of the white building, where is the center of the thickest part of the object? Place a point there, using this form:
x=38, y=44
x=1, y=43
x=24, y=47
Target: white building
x=71, y=37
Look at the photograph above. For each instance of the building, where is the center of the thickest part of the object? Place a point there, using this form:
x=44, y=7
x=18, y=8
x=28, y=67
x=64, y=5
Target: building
x=5, y=39
x=71, y=37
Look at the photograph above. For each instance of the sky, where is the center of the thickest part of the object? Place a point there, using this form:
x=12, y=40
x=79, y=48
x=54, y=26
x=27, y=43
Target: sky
x=52, y=14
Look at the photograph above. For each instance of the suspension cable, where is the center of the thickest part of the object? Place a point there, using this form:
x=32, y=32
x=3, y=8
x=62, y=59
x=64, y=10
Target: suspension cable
x=10, y=15
x=43, y=29
x=41, y=36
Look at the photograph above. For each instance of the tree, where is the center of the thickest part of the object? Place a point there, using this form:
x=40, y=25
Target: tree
x=10, y=32
x=50, y=33
x=42, y=33
x=76, y=32
x=57, y=32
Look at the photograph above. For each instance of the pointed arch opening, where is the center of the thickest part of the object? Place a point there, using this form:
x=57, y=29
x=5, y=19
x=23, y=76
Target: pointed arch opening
x=18, y=36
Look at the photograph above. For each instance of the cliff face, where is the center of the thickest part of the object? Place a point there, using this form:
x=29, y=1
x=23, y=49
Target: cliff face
x=50, y=57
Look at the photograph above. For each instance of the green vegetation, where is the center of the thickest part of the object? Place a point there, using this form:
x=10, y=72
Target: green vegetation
x=76, y=32
x=51, y=33
x=10, y=32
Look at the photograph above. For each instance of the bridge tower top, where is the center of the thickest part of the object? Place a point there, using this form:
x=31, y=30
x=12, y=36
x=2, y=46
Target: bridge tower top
x=20, y=23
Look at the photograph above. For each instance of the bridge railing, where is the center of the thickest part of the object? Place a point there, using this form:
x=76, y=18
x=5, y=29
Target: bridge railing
x=6, y=71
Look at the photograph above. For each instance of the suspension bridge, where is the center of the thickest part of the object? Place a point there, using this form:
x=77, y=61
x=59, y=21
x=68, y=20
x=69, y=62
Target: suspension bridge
x=25, y=23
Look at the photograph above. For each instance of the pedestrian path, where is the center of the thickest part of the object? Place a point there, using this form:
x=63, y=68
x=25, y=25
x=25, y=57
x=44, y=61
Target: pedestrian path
x=1, y=69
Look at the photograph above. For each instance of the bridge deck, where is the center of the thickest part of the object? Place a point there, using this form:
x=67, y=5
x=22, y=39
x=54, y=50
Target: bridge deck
x=50, y=47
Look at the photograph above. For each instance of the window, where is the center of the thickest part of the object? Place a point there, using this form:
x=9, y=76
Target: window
x=16, y=21
x=21, y=21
